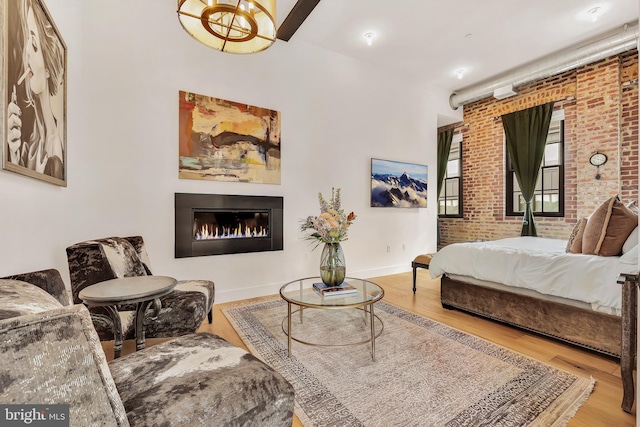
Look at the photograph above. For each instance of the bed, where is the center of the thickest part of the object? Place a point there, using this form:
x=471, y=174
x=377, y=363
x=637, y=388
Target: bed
x=534, y=284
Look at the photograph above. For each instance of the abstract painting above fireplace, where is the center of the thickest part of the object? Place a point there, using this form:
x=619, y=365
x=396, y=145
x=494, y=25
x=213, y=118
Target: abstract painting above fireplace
x=223, y=140
x=220, y=224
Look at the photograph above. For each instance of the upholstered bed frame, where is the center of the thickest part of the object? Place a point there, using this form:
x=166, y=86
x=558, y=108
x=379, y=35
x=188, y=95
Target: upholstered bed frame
x=604, y=333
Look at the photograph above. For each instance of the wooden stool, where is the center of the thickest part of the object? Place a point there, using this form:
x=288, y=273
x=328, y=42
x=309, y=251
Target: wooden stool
x=421, y=261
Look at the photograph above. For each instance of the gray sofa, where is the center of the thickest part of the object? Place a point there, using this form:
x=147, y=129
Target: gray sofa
x=51, y=354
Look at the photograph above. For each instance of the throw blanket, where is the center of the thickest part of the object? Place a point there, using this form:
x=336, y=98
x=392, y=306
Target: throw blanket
x=541, y=265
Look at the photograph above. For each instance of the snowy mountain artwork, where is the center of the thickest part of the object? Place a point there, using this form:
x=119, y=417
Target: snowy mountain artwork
x=398, y=185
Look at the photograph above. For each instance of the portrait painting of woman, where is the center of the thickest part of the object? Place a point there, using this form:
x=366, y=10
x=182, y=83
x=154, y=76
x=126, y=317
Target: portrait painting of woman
x=34, y=93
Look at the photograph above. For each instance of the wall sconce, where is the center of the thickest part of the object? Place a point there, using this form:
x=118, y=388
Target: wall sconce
x=235, y=26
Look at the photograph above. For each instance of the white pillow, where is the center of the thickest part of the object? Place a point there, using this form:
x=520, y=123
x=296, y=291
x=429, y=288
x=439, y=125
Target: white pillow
x=631, y=241
x=631, y=257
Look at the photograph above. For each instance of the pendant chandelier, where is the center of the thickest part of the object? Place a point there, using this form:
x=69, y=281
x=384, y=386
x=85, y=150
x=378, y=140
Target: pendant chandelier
x=235, y=26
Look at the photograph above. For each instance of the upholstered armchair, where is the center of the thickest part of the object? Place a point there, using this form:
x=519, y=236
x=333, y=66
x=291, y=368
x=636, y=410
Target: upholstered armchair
x=50, y=354
x=94, y=261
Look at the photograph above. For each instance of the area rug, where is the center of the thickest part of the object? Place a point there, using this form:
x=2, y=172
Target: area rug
x=425, y=373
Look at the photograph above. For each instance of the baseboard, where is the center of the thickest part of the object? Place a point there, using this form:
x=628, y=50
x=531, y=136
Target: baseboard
x=274, y=288
x=384, y=271
x=248, y=292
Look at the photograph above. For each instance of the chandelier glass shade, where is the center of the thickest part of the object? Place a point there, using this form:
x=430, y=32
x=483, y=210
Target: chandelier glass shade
x=235, y=26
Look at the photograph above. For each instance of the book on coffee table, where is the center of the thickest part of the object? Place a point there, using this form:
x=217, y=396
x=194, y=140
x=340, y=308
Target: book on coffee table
x=344, y=289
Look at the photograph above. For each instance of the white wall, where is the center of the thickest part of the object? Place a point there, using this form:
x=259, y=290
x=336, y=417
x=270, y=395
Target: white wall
x=127, y=61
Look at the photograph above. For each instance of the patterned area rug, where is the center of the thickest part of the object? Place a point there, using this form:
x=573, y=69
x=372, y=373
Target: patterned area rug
x=425, y=373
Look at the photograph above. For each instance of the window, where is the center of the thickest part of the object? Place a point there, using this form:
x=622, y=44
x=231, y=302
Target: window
x=450, y=200
x=548, y=198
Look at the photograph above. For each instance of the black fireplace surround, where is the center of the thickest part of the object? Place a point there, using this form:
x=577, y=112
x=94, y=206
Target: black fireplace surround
x=218, y=224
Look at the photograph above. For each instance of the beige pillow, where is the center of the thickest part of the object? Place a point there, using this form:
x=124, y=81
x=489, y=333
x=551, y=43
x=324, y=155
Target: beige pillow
x=574, y=245
x=596, y=228
x=621, y=224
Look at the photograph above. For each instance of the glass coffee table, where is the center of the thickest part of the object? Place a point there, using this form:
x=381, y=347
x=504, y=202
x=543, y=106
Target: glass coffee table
x=301, y=293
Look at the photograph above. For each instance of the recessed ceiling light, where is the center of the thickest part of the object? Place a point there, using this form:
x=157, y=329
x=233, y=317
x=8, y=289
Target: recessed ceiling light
x=594, y=13
x=368, y=36
x=460, y=73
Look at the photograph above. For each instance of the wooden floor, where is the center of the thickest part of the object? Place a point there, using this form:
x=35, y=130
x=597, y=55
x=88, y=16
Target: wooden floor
x=601, y=409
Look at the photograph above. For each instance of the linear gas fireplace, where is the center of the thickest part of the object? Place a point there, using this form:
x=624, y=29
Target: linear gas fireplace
x=216, y=224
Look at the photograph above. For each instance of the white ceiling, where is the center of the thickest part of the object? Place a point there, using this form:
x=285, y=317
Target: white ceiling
x=427, y=39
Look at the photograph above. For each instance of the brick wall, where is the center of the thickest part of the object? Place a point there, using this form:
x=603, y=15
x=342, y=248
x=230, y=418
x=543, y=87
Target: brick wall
x=600, y=103
x=629, y=127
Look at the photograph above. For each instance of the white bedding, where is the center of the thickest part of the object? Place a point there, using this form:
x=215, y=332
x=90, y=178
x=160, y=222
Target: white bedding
x=539, y=264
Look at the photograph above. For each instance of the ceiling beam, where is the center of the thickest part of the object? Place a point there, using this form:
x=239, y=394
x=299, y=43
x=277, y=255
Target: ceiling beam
x=296, y=17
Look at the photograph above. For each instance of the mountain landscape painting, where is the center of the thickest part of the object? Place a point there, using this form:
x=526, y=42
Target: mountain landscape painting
x=398, y=185
x=227, y=141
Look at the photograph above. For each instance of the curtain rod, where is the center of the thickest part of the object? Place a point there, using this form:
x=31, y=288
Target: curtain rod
x=454, y=127
x=568, y=98
x=461, y=126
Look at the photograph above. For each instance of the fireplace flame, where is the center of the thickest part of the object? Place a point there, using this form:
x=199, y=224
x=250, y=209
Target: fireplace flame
x=208, y=232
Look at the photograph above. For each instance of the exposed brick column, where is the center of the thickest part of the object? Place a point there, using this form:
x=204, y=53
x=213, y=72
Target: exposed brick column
x=598, y=129
x=629, y=127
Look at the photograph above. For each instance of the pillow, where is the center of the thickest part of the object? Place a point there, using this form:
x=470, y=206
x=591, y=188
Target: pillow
x=49, y=280
x=621, y=224
x=55, y=357
x=608, y=228
x=18, y=298
x=138, y=244
x=596, y=228
x=633, y=206
x=631, y=241
x=631, y=257
x=122, y=257
x=574, y=244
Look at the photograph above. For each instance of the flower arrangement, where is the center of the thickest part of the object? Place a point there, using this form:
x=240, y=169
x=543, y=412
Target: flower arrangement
x=332, y=224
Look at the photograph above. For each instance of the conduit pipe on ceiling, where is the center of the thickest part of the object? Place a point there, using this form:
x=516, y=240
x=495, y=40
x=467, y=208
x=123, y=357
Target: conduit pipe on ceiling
x=564, y=60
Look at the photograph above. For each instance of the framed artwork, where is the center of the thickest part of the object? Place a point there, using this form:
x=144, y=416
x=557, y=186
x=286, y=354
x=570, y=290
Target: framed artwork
x=34, y=92
x=398, y=185
x=226, y=141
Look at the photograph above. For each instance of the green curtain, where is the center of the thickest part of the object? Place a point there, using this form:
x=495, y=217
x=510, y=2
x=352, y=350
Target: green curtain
x=526, y=133
x=444, y=146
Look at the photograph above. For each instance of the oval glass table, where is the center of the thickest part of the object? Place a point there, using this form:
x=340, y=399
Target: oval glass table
x=300, y=293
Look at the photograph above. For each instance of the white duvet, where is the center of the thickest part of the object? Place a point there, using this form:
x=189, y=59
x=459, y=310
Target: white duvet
x=539, y=264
